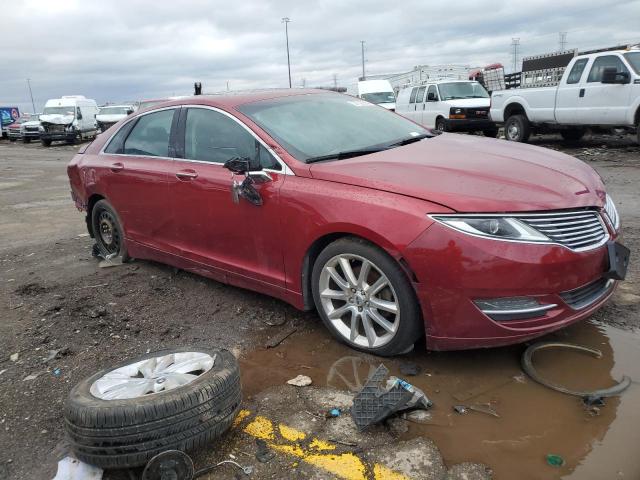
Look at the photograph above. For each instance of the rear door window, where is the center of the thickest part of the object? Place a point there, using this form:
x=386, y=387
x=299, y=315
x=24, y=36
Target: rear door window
x=150, y=135
x=605, y=61
x=432, y=90
x=576, y=71
x=412, y=99
x=420, y=95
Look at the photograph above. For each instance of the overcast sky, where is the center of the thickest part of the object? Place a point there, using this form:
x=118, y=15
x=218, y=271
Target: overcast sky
x=115, y=50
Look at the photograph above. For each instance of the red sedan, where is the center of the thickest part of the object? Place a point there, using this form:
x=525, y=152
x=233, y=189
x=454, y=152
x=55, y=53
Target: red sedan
x=325, y=201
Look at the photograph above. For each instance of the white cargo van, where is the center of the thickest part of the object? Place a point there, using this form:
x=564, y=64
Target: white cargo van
x=70, y=118
x=379, y=92
x=448, y=106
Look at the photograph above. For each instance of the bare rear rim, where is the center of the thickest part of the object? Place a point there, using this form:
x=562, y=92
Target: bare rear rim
x=359, y=300
x=108, y=231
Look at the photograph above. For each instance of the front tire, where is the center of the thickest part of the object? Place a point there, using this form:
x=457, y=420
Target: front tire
x=517, y=128
x=26, y=140
x=45, y=142
x=365, y=298
x=107, y=231
x=441, y=125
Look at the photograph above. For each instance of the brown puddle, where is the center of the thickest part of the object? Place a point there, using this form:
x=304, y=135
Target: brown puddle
x=534, y=420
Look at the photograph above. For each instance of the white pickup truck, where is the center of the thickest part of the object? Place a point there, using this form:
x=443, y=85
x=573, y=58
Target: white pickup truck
x=597, y=90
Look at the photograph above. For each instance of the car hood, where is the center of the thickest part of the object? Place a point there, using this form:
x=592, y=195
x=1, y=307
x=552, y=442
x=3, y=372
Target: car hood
x=469, y=102
x=57, y=119
x=111, y=118
x=473, y=174
x=31, y=123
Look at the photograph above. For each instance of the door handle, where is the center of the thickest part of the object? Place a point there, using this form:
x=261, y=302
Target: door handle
x=116, y=167
x=187, y=175
x=581, y=94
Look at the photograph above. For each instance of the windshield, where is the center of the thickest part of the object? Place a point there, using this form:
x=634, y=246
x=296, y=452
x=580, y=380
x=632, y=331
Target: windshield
x=634, y=59
x=59, y=110
x=455, y=90
x=114, y=110
x=379, y=97
x=318, y=125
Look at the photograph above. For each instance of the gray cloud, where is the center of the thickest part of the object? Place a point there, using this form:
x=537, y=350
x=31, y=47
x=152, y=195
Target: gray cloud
x=126, y=50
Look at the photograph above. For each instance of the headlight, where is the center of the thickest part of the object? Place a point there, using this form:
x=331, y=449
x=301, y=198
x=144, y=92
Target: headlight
x=500, y=228
x=612, y=212
x=457, y=113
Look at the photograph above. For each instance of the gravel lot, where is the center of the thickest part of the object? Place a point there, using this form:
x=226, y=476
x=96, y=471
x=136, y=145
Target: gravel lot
x=60, y=311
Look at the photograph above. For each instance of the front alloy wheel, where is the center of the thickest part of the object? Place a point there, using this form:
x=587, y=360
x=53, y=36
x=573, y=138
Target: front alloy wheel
x=365, y=298
x=359, y=300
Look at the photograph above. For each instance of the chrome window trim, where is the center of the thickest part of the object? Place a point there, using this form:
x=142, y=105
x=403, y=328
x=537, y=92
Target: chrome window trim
x=515, y=215
x=285, y=168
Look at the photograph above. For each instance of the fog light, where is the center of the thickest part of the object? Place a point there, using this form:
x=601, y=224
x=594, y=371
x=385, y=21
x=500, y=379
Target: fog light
x=513, y=308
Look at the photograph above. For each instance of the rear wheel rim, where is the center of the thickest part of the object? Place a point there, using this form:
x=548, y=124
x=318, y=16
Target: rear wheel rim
x=513, y=131
x=108, y=232
x=153, y=375
x=359, y=301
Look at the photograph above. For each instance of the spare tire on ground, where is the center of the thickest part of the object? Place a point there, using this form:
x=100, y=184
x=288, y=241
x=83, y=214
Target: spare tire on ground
x=180, y=399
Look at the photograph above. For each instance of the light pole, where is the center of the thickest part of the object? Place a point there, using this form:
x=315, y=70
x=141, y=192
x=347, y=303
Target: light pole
x=362, y=45
x=31, y=94
x=286, y=21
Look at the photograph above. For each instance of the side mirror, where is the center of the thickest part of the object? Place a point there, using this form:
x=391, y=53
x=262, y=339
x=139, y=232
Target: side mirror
x=240, y=166
x=129, y=111
x=431, y=97
x=612, y=75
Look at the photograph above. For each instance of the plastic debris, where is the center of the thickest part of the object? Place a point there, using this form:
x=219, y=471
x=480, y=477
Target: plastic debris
x=300, y=381
x=375, y=403
x=555, y=460
x=70, y=468
x=334, y=412
x=461, y=409
x=57, y=372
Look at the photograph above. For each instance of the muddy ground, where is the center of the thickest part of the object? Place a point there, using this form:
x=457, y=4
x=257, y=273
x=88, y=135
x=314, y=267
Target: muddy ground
x=67, y=318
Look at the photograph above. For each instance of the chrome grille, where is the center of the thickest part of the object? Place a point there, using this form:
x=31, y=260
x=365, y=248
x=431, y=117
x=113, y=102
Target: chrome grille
x=578, y=230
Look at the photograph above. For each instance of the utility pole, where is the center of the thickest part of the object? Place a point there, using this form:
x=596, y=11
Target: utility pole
x=31, y=94
x=562, y=41
x=335, y=81
x=286, y=21
x=362, y=47
x=515, y=46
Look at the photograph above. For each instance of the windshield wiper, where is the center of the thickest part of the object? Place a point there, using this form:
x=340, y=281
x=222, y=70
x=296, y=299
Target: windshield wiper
x=407, y=141
x=345, y=154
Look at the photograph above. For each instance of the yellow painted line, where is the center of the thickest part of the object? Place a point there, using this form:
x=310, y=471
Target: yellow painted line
x=242, y=414
x=314, y=451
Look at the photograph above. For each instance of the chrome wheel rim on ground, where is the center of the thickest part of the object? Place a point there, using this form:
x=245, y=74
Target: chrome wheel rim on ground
x=513, y=131
x=153, y=375
x=359, y=301
x=108, y=232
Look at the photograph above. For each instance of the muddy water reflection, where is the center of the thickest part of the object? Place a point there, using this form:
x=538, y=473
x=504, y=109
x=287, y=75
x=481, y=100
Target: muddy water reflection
x=534, y=420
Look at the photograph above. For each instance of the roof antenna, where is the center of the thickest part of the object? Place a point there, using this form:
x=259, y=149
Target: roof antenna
x=197, y=87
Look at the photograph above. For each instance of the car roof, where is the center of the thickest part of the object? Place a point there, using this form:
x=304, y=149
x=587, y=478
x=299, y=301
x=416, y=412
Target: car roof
x=231, y=100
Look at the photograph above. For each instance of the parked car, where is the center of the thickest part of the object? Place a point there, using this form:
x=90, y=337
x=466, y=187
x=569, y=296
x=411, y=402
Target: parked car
x=379, y=92
x=596, y=90
x=8, y=115
x=392, y=232
x=26, y=128
x=109, y=115
x=70, y=118
x=448, y=106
